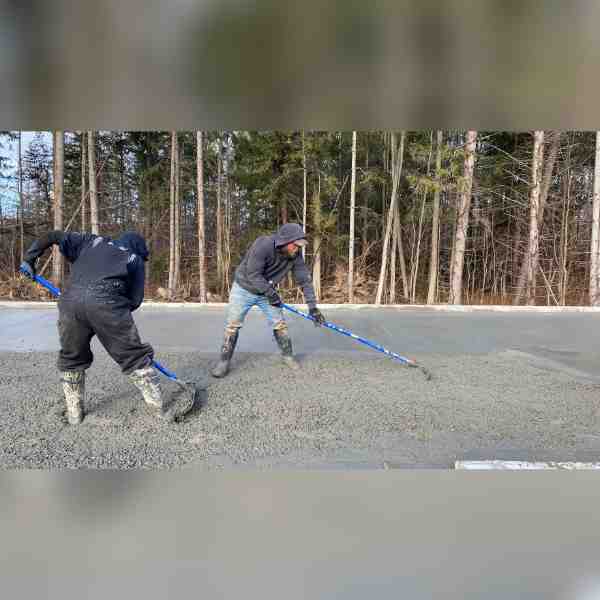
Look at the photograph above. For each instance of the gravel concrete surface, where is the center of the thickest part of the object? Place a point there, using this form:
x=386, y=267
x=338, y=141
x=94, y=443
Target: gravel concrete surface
x=341, y=411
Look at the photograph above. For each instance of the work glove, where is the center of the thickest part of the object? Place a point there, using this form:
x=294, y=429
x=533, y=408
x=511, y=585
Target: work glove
x=28, y=269
x=273, y=298
x=317, y=315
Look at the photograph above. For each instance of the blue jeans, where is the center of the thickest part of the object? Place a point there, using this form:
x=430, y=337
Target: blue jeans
x=240, y=303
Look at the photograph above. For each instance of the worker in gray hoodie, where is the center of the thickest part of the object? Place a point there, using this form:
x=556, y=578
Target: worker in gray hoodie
x=265, y=264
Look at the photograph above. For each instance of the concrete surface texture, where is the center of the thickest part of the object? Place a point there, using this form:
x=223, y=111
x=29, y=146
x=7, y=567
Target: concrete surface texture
x=512, y=386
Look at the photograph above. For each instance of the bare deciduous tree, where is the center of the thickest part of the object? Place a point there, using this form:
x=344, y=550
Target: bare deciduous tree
x=304, y=192
x=595, y=245
x=21, y=200
x=173, y=216
x=177, y=278
x=93, y=194
x=219, y=216
x=435, y=224
x=534, y=208
x=462, y=221
x=396, y=173
x=317, y=239
x=352, y=210
x=201, y=220
x=553, y=138
x=59, y=175
x=83, y=186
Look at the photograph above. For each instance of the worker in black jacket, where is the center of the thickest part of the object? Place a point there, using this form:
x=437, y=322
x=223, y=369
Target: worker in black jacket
x=265, y=264
x=106, y=286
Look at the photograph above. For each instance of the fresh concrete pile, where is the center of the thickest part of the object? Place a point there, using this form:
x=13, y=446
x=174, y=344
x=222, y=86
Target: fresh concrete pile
x=344, y=410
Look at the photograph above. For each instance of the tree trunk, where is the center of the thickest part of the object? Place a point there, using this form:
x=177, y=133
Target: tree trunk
x=462, y=221
x=83, y=186
x=564, y=235
x=177, y=217
x=219, y=222
x=386, y=169
x=317, y=240
x=227, y=233
x=21, y=201
x=398, y=236
x=396, y=172
x=352, y=211
x=201, y=223
x=122, y=209
x=435, y=225
x=549, y=163
x=59, y=174
x=595, y=247
x=304, y=199
x=92, y=182
x=365, y=206
x=534, y=208
x=172, y=282
x=415, y=274
x=392, y=293
x=553, y=137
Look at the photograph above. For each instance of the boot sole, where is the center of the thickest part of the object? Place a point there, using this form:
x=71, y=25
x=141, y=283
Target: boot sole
x=218, y=374
x=291, y=364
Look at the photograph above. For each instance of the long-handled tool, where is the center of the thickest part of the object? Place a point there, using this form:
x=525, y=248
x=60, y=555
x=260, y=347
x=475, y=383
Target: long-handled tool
x=370, y=344
x=190, y=392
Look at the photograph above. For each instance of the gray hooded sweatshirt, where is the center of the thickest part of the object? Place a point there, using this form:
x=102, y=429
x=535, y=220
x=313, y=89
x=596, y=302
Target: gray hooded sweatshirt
x=264, y=265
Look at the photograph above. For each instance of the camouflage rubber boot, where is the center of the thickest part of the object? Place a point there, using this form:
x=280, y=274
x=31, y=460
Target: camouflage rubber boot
x=229, y=343
x=74, y=389
x=285, y=345
x=147, y=381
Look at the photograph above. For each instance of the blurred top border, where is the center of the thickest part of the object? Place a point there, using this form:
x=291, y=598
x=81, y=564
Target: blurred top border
x=473, y=64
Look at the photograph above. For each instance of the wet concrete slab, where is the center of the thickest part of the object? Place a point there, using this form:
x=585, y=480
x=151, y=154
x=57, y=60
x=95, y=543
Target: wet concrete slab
x=507, y=386
x=548, y=340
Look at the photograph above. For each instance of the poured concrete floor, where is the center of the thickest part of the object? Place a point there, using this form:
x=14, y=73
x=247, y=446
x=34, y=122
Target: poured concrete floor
x=507, y=386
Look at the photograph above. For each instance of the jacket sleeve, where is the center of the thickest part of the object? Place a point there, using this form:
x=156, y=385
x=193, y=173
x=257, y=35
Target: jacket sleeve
x=137, y=276
x=72, y=244
x=304, y=280
x=40, y=245
x=255, y=267
x=69, y=244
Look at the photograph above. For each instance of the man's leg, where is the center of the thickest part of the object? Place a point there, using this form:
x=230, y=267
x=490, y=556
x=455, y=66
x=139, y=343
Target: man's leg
x=240, y=302
x=74, y=358
x=119, y=335
x=277, y=323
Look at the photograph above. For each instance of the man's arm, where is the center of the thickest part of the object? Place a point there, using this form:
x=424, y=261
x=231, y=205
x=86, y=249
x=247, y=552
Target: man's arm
x=137, y=276
x=304, y=280
x=40, y=245
x=70, y=245
x=255, y=267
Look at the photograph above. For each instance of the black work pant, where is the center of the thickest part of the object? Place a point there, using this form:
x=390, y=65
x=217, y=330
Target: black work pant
x=80, y=318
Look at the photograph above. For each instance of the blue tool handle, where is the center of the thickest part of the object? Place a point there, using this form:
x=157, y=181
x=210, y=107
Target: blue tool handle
x=364, y=341
x=44, y=282
x=164, y=370
x=47, y=285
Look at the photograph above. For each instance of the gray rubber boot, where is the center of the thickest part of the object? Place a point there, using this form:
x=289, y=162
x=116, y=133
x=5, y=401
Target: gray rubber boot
x=73, y=383
x=147, y=381
x=285, y=345
x=229, y=343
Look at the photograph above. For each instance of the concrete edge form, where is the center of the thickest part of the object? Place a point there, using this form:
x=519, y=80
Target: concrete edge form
x=398, y=307
x=518, y=465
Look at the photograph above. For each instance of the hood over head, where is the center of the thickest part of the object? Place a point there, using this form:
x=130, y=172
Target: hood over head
x=290, y=232
x=135, y=243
